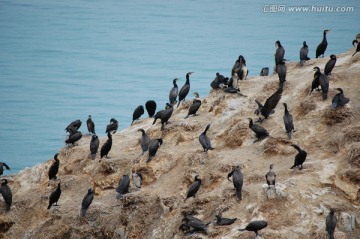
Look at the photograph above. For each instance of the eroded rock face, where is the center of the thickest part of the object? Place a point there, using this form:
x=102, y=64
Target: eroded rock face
x=295, y=208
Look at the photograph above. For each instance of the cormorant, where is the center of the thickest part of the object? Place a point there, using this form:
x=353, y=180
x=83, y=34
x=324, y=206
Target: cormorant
x=279, y=53
x=240, y=68
x=76, y=124
x=54, y=196
x=233, y=84
x=153, y=148
x=330, y=65
x=144, y=141
x=73, y=138
x=357, y=46
x=86, y=202
x=304, y=53
x=270, y=104
x=281, y=70
x=6, y=193
x=316, y=82
x=150, y=106
x=106, y=147
x=137, y=179
x=264, y=71
x=54, y=168
x=320, y=80
x=174, y=92
x=204, y=140
x=165, y=115
x=331, y=223
x=320, y=50
x=288, y=121
x=338, y=100
x=185, y=89
x=197, y=224
x=258, y=130
x=90, y=125
x=123, y=186
x=222, y=79
x=113, y=126
x=195, y=106
x=138, y=112
x=270, y=176
x=255, y=226
x=194, y=188
x=2, y=165
x=299, y=158
x=94, y=145
x=238, y=180
x=222, y=221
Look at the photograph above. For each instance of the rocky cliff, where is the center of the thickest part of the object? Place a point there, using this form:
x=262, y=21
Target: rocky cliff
x=297, y=209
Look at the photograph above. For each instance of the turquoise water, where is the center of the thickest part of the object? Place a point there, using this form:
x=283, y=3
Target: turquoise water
x=64, y=60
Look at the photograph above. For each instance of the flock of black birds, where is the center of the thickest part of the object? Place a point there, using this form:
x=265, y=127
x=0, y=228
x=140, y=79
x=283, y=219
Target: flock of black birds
x=239, y=71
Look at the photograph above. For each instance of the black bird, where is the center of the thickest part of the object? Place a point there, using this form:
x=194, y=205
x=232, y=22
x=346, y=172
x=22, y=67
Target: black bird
x=76, y=124
x=2, y=165
x=194, y=188
x=204, y=140
x=150, y=106
x=321, y=48
x=54, y=196
x=331, y=223
x=288, y=121
x=90, y=125
x=270, y=176
x=357, y=47
x=281, y=70
x=54, y=168
x=299, y=158
x=195, y=106
x=94, y=145
x=195, y=223
x=137, y=179
x=320, y=80
x=330, y=65
x=144, y=141
x=123, y=186
x=86, y=202
x=165, y=115
x=270, y=104
x=138, y=112
x=338, y=100
x=113, y=126
x=220, y=78
x=185, y=89
x=238, y=180
x=174, y=92
x=6, y=193
x=73, y=138
x=264, y=71
x=153, y=148
x=304, y=53
x=279, y=53
x=255, y=226
x=222, y=221
x=259, y=131
x=106, y=147
x=316, y=82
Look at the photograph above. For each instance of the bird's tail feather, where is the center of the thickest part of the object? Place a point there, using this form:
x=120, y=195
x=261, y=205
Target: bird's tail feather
x=325, y=96
x=289, y=135
x=83, y=212
x=49, y=206
x=238, y=194
x=93, y=156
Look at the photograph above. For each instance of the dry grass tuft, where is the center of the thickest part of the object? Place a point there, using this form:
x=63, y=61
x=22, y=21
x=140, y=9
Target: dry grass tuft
x=332, y=117
x=354, y=155
x=276, y=146
x=352, y=134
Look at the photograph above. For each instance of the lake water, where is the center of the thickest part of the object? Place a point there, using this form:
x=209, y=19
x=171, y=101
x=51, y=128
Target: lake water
x=64, y=60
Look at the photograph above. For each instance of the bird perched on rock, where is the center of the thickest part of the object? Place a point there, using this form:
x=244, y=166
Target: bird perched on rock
x=320, y=80
x=2, y=165
x=259, y=131
x=238, y=180
x=54, y=196
x=90, y=125
x=270, y=104
x=106, y=147
x=112, y=126
x=86, y=202
x=54, y=168
x=357, y=46
x=153, y=148
x=76, y=124
x=138, y=112
x=150, y=106
x=144, y=141
x=304, y=53
x=222, y=221
x=255, y=226
x=174, y=92
x=204, y=140
x=185, y=89
x=137, y=179
x=123, y=186
x=331, y=223
x=279, y=53
x=94, y=145
x=164, y=115
x=195, y=106
x=281, y=70
x=194, y=223
x=330, y=65
x=264, y=71
x=338, y=100
x=194, y=188
x=6, y=193
x=288, y=122
x=321, y=48
x=270, y=177
x=299, y=158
